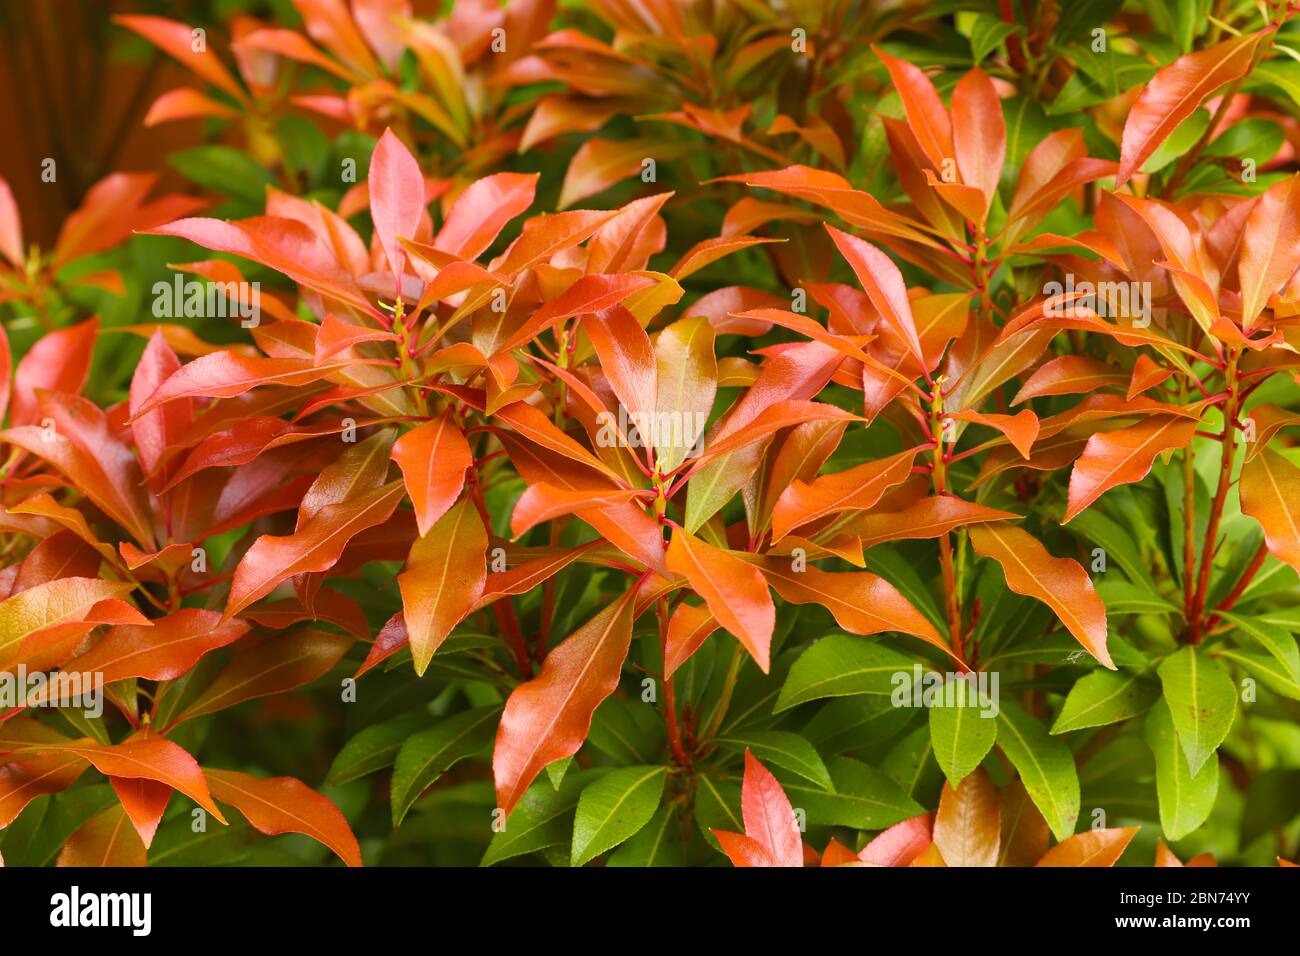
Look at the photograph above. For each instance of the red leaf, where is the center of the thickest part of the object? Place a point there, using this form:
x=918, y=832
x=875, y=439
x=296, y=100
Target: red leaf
x=177, y=40
x=164, y=651
x=443, y=579
x=979, y=133
x=433, y=458
x=769, y=817
x=1175, y=92
x=227, y=374
x=588, y=295
x=883, y=283
x=1123, y=456
x=1090, y=848
x=78, y=439
x=314, y=547
x=58, y=361
x=285, y=805
x=1060, y=583
x=11, y=233
x=482, y=211
x=900, y=844
x=158, y=429
x=396, y=197
x=734, y=590
x=547, y=718
x=285, y=245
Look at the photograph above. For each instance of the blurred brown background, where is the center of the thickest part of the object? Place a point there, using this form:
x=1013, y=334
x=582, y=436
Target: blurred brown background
x=71, y=95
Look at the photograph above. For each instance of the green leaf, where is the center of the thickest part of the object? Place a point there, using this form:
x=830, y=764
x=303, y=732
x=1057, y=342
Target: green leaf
x=426, y=755
x=1118, y=544
x=1202, y=701
x=1282, y=72
x=1105, y=697
x=1267, y=669
x=782, y=749
x=624, y=729
x=1079, y=17
x=614, y=808
x=962, y=734
x=1270, y=803
x=864, y=798
x=910, y=763
x=1046, y=768
x=556, y=769
x=1122, y=597
x=541, y=819
x=658, y=843
x=987, y=33
x=845, y=723
x=841, y=665
x=1257, y=139
x=1185, y=800
x=1188, y=132
x=373, y=749
x=224, y=169
x=717, y=805
x=901, y=572
x=1280, y=645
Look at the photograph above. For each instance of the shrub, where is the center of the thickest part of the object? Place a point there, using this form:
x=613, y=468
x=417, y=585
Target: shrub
x=910, y=480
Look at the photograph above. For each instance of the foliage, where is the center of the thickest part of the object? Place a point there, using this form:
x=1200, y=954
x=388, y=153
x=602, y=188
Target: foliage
x=891, y=352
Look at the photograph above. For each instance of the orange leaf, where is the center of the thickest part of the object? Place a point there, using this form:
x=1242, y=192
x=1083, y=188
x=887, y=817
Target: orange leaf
x=925, y=111
x=860, y=602
x=1268, y=243
x=927, y=518
x=1270, y=493
x=1175, y=92
x=547, y=718
x=1060, y=583
x=433, y=458
x=106, y=839
x=687, y=629
x=443, y=579
x=1123, y=456
x=769, y=817
x=316, y=546
x=900, y=844
x=967, y=828
x=979, y=133
x=286, y=805
x=856, y=489
x=1090, y=848
x=734, y=590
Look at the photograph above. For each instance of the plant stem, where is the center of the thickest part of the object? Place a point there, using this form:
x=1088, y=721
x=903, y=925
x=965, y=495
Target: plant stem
x=1239, y=588
x=1208, y=549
